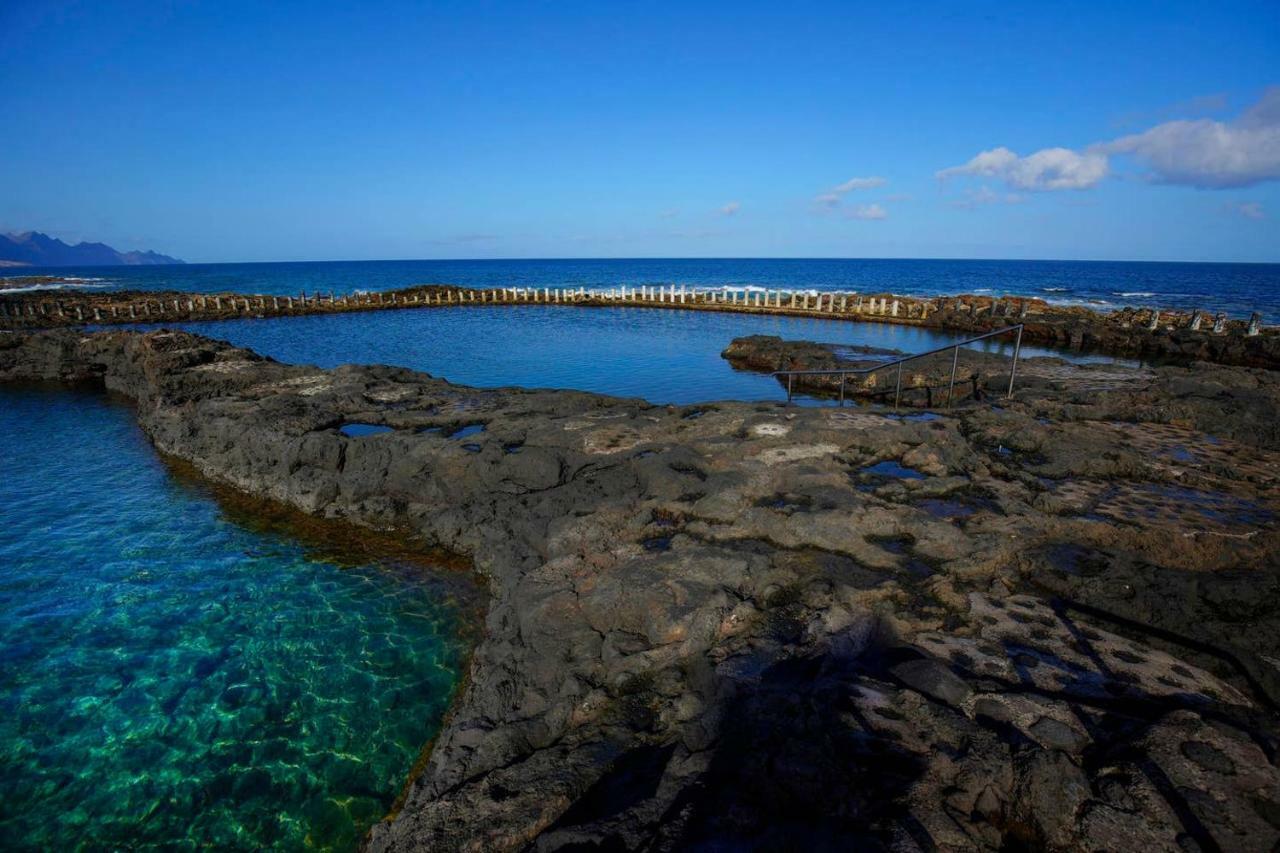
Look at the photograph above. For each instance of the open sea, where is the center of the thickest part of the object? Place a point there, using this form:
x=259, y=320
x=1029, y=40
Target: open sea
x=176, y=674
x=1237, y=289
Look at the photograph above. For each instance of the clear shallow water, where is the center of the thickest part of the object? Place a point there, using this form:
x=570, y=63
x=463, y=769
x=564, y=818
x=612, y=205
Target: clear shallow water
x=1235, y=288
x=172, y=679
x=664, y=356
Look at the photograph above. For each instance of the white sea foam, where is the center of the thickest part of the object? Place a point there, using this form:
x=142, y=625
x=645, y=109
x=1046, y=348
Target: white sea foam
x=1056, y=289
x=1100, y=304
x=1132, y=293
x=63, y=284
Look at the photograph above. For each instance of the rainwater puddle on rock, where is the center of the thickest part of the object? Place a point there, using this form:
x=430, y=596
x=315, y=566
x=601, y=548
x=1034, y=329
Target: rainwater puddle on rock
x=923, y=417
x=467, y=431
x=872, y=477
x=357, y=430
x=892, y=469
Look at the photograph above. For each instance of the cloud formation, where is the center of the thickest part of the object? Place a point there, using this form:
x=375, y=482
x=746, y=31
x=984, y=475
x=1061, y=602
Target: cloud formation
x=1199, y=153
x=1211, y=154
x=868, y=211
x=832, y=197
x=730, y=209
x=1049, y=169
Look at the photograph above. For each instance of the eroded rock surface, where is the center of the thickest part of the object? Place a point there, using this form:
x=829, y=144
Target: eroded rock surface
x=745, y=626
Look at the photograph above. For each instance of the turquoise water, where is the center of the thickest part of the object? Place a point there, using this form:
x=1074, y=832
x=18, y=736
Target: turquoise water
x=664, y=356
x=170, y=678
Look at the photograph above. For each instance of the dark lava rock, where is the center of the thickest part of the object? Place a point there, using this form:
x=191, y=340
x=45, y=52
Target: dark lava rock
x=934, y=679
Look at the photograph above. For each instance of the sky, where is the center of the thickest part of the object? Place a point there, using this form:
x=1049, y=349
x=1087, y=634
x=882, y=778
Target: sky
x=221, y=131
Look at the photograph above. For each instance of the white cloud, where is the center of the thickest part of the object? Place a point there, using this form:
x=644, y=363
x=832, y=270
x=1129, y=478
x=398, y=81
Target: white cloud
x=1199, y=153
x=730, y=209
x=868, y=211
x=1048, y=169
x=852, y=184
x=1211, y=154
x=831, y=198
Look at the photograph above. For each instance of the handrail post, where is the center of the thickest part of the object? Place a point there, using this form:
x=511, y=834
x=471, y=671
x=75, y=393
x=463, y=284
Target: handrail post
x=842, y=376
x=897, y=388
x=955, y=359
x=1013, y=371
x=790, y=377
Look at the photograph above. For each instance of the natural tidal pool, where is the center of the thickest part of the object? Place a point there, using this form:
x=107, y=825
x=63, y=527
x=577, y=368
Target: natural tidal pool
x=662, y=355
x=177, y=671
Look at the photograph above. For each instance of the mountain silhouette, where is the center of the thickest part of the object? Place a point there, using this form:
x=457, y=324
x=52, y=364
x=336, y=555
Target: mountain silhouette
x=31, y=248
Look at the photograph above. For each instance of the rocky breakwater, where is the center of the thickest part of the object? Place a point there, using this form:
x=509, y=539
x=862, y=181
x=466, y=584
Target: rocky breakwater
x=739, y=625
x=871, y=373
x=1152, y=334
x=1139, y=332
x=47, y=309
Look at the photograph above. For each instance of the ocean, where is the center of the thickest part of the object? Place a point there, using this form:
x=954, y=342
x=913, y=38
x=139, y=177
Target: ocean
x=1238, y=289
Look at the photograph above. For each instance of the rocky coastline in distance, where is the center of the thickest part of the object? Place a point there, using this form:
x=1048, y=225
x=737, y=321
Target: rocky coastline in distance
x=1048, y=624
x=34, y=249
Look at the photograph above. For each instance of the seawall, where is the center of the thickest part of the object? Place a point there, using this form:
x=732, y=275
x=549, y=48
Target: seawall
x=1131, y=332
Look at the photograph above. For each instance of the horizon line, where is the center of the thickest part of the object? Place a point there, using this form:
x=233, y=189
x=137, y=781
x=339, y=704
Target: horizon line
x=533, y=259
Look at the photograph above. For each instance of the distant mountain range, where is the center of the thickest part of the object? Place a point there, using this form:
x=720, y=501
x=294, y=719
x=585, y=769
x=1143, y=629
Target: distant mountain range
x=33, y=249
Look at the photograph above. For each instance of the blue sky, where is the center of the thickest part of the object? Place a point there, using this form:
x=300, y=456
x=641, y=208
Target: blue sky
x=225, y=131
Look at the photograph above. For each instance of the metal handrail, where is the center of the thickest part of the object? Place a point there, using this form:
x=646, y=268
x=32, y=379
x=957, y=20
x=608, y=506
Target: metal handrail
x=845, y=372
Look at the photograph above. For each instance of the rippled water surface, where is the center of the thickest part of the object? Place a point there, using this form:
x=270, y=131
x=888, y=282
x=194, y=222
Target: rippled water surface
x=170, y=678
x=664, y=356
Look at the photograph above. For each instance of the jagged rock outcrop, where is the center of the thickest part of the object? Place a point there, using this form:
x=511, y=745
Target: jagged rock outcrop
x=742, y=625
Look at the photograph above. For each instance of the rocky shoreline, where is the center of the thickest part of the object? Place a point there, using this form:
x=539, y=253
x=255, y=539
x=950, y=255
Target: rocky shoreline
x=1151, y=334
x=1051, y=624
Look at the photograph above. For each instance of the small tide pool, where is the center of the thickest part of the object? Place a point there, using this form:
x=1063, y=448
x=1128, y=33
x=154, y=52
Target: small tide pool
x=177, y=672
x=664, y=356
